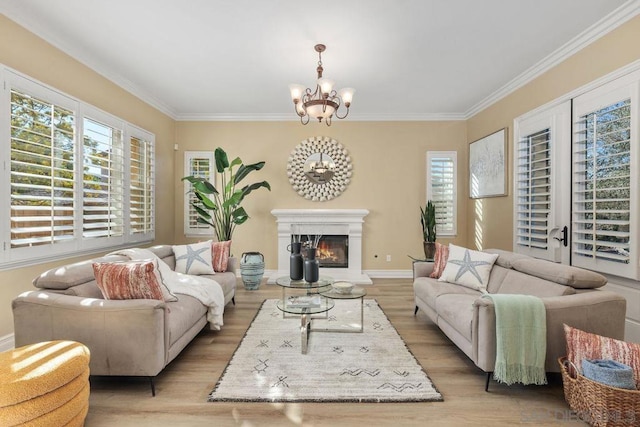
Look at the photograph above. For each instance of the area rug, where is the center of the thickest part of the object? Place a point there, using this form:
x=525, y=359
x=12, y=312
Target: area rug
x=372, y=366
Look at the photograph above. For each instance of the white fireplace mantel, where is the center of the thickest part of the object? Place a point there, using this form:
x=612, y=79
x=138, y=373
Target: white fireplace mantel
x=322, y=221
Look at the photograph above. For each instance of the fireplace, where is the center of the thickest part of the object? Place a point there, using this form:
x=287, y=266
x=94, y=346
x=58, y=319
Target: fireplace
x=340, y=248
x=332, y=251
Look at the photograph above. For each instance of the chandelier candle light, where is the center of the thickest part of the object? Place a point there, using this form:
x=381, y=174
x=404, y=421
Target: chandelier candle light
x=322, y=103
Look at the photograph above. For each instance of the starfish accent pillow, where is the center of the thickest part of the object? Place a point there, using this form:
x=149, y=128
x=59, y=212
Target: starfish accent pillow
x=468, y=268
x=194, y=259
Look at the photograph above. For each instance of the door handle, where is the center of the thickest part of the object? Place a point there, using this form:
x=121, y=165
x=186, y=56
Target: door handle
x=564, y=239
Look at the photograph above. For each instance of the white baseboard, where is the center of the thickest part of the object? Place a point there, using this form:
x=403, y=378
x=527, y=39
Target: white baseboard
x=390, y=274
x=7, y=342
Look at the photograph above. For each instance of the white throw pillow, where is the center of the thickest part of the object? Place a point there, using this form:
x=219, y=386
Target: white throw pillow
x=468, y=268
x=194, y=259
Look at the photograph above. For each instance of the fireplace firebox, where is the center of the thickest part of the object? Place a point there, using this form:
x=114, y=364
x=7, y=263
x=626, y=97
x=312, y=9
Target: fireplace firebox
x=332, y=251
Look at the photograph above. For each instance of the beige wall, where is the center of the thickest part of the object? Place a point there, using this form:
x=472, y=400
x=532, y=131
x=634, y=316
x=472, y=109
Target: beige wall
x=490, y=221
x=24, y=52
x=389, y=179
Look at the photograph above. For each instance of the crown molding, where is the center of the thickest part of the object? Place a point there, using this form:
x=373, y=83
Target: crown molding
x=204, y=117
x=610, y=22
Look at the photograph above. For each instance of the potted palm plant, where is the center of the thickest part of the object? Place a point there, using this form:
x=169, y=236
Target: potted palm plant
x=428, y=221
x=221, y=208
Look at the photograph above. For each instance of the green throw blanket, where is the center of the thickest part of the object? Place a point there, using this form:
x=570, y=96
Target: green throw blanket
x=521, y=339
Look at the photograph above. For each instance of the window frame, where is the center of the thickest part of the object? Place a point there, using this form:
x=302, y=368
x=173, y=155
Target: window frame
x=202, y=230
x=77, y=246
x=453, y=157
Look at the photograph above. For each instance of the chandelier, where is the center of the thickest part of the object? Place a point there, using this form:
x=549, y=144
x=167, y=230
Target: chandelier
x=320, y=171
x=324, y=101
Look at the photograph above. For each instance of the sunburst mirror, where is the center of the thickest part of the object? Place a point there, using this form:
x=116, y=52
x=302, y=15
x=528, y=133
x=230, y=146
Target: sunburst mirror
x=319, y=168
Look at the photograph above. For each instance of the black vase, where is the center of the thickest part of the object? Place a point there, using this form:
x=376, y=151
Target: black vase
x=311, y=266
x=296, y=262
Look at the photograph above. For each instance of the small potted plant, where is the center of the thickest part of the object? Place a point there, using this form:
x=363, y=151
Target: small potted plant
x=428, y=221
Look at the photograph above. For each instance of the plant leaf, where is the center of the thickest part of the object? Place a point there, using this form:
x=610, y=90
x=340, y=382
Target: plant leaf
x=207, y=202
x=204, y=187
x=239, y=216
x=234, y=200
x=249, y=188
x=203, y=213
x=244, y=170
x=235, y=162
x=222, y=162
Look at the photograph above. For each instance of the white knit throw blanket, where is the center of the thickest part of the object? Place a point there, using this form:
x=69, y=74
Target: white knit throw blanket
x=207, y=291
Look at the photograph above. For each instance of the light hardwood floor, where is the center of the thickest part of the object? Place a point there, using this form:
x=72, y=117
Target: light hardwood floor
x=182, y=388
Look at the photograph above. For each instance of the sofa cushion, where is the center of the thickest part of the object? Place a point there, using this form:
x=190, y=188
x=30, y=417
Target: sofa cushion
x=129, y=280
x=183, y=315
x=515, y=282
x=468, y=268
x=428, y=290
x=560, y=273
x=220, y=255
x=226, y=280
x=85, y=290
x=71, y=274
x=457, y=311
x=194, y=259
x=506, y=258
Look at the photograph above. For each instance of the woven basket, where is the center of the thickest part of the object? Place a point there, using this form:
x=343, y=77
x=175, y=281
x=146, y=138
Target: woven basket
x=597, y=403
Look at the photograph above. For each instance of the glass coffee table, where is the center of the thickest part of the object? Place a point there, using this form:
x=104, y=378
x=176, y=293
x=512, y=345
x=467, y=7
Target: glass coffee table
x=356, y=293
x=304, y=304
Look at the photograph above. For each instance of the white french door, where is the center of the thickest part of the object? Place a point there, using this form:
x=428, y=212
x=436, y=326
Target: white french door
x=541, y=166
x=576, y=180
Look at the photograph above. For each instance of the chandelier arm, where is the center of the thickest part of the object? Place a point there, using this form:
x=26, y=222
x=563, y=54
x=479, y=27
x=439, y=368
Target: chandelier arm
x=327, y=121
x=302, y=119
x=345, y=114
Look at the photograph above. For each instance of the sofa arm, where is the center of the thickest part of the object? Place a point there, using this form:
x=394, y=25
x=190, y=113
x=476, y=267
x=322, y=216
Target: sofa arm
x=422, y=269
x=595, y=311
x=125, y=337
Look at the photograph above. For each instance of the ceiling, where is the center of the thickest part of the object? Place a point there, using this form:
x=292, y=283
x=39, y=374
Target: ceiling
x=234, y=60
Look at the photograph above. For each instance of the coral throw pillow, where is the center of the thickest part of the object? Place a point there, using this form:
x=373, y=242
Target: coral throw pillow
x=468, y=268
x=128, y=280
x=439, y=260
x=220, y=255
x=585, y=345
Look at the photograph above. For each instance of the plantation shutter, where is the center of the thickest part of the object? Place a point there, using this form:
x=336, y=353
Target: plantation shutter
x=141, y=187
x=103, y=181
x=42, y=172
x=541, y=161
x=534, y=190
x=441, y=189
x=200, y=164
x=605, y=180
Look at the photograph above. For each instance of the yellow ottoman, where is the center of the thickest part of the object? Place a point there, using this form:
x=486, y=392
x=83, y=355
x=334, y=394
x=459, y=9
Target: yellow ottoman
x=44, y=384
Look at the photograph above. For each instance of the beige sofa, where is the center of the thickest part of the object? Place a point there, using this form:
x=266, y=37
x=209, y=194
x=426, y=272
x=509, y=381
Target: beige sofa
x=569, y=295
x=125, y=337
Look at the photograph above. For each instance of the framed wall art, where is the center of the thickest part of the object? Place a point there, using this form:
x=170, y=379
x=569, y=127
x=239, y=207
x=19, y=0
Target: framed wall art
x=488, y=166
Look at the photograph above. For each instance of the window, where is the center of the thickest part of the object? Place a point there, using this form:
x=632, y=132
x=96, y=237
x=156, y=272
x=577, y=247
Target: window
x=76, y=179
x=605, y=180
x=201, y=164
x=442, y=189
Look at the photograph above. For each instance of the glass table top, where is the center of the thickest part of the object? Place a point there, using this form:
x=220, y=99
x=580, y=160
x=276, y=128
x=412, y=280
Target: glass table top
x=286, y=282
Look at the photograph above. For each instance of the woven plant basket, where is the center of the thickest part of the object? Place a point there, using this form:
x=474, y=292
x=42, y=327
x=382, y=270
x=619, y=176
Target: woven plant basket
x=597, y=403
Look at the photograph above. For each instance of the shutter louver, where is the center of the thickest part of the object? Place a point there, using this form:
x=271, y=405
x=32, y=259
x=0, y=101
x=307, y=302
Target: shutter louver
x=602, y=188
x=533, y=183
x=141, y=186
x=42, y=172
x=103, y=181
